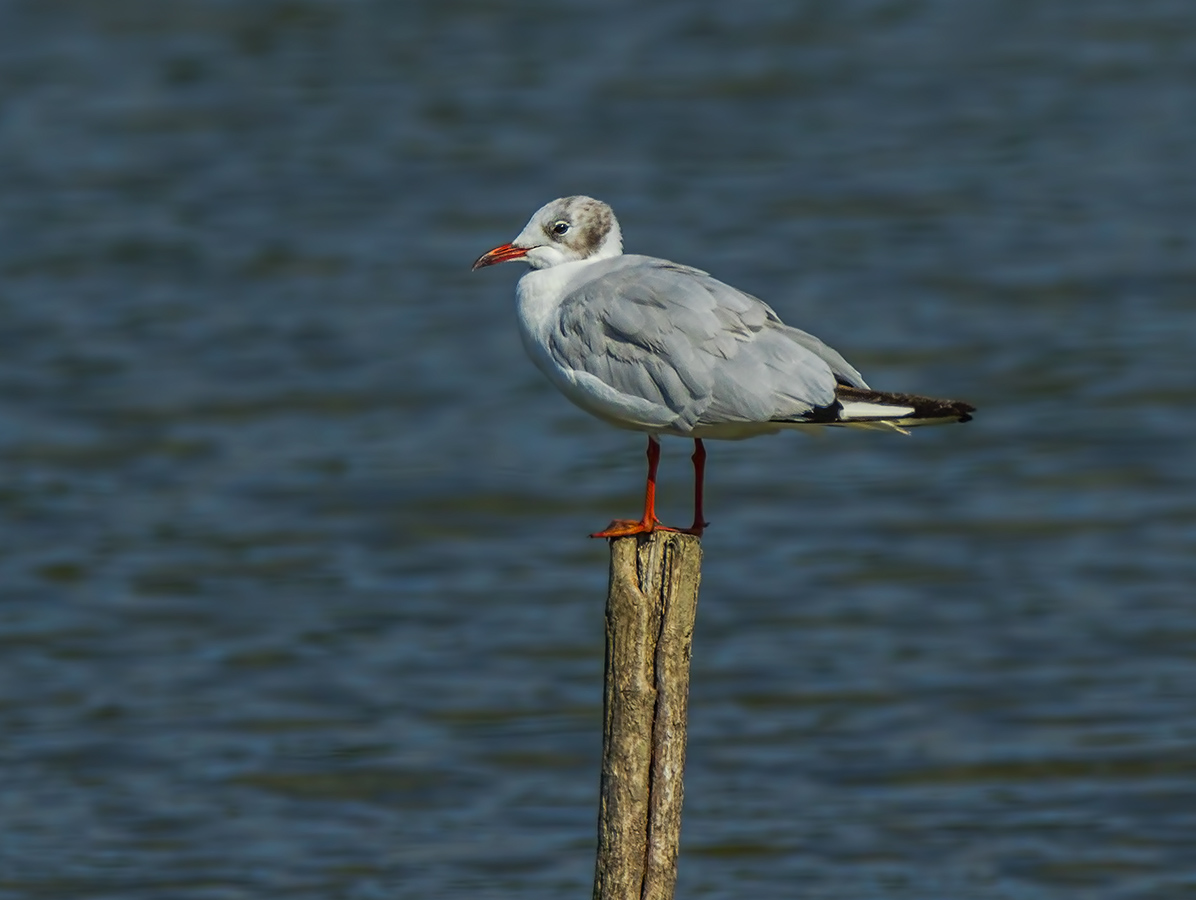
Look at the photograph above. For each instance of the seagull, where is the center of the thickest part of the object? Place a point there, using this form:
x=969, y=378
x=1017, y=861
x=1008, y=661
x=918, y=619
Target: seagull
x=654, y=346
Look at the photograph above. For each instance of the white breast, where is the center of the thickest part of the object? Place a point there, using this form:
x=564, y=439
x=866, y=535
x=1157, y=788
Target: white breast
x=538, y=302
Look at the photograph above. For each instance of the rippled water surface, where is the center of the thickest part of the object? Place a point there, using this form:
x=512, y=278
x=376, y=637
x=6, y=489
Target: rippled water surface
x=295, y=594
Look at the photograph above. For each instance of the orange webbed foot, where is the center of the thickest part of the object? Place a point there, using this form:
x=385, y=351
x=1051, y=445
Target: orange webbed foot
x=628, y=527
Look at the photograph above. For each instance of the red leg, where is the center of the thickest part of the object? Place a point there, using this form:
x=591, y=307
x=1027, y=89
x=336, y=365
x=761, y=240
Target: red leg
x=649, y=522
x=699, y=460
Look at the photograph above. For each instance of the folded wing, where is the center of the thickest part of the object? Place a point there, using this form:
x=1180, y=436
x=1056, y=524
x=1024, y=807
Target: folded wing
x=696, y=350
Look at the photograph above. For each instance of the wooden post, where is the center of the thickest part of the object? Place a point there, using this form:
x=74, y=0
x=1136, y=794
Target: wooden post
x=650, y=608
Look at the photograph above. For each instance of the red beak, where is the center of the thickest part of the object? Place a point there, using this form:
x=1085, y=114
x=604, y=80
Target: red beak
x=505, y=253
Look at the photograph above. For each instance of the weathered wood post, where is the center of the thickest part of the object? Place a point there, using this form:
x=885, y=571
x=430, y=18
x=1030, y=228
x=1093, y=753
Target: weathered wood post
x=650, y=609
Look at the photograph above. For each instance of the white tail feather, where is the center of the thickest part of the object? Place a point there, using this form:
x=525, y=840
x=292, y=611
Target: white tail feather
x=862, y=409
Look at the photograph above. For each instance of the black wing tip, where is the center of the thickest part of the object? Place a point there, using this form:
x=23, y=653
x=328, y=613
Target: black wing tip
x=823, y=415
x=965, y=410
x=928, y=408
x=924, y=407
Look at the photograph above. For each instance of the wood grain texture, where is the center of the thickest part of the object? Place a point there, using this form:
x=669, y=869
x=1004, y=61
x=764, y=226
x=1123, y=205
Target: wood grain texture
x=650, y=610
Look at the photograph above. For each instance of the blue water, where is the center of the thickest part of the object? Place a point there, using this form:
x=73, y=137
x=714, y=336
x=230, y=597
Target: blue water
x=295, y=594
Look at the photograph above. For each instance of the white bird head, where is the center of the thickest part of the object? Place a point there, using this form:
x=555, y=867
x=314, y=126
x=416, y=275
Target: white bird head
x=565, y=230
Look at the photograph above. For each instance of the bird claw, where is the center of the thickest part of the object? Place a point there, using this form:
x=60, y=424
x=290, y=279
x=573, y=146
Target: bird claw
x=628, y=527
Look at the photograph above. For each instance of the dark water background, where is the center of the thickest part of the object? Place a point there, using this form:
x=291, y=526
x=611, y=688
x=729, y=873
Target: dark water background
x=295, y=598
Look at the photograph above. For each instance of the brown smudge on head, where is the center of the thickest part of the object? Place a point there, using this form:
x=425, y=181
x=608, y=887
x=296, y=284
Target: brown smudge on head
x=589, y=220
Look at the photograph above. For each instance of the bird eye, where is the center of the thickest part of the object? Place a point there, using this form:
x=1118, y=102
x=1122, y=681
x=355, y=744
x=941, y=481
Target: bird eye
x=560, y=227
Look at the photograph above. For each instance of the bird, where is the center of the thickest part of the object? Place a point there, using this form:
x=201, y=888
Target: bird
x=666, y=349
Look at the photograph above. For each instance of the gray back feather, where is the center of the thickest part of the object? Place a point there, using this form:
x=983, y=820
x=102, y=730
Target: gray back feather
x=702, y=351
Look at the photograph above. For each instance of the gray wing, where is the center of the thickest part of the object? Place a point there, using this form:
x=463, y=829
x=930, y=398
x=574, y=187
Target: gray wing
x=701, y=351
x=845, y=372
